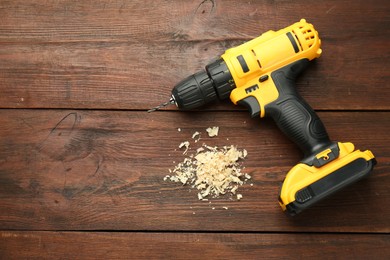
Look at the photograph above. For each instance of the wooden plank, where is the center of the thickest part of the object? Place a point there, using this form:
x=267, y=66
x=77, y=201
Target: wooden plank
x=103, y=170
x=128, y=55
x=90, y=245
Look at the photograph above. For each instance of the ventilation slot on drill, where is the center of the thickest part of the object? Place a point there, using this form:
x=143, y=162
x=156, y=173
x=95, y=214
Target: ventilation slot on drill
x=308, y=34
x=293, y=42
x=296, y=37
x=257, y=59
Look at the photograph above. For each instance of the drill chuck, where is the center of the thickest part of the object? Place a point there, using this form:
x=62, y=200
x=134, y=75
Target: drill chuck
x=221, y=77
x=205, y=86
x=194, y=91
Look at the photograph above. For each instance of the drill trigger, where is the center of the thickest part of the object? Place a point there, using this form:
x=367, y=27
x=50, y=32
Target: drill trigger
x=252, y=104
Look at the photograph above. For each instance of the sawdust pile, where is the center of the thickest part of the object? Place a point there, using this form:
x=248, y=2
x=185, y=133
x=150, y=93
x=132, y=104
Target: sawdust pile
x=213, y=171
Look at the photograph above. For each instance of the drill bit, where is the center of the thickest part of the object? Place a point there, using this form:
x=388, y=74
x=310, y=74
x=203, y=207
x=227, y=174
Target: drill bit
x=170, y=102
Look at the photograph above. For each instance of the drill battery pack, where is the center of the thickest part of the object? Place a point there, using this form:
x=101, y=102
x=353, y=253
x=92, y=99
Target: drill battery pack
x=331, y=171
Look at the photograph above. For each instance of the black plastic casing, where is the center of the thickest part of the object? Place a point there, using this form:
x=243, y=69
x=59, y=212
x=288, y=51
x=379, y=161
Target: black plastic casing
x=194, y=91
x=221, y=77
x=294, y=116
x=330, y=184
x=203, y=87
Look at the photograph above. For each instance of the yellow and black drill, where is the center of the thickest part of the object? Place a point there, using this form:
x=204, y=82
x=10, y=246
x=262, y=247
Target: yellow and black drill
x=260, y=74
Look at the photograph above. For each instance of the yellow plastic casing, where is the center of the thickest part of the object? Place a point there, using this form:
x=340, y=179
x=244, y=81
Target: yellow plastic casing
x=267, y=53
x=302, y=175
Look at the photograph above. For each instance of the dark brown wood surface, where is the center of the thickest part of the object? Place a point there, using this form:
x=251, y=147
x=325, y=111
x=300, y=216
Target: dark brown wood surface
x=120, y=245
x=129, y=54
x=82, y=163
x=104, y=170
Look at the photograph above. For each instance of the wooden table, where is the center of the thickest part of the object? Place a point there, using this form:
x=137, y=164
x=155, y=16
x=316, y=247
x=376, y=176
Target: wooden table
x=82, y=163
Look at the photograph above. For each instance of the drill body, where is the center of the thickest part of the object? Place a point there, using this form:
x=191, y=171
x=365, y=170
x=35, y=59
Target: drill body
x=260, y=74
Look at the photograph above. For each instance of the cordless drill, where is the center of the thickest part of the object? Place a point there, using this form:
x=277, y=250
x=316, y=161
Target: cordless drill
x=260, y=74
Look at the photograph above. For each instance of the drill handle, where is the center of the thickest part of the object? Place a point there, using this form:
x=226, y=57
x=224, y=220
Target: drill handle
x=294, y=116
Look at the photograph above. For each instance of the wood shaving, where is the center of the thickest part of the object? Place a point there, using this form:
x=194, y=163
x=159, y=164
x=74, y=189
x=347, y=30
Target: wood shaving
x=196, y=136
x=199, y=150
x=233, y=190
x=212, y=171
x=185, y=144
x=212, y=131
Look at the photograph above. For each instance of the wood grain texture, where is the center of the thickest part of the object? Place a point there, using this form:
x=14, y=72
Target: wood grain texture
x=54, y=245
x=129, y=54
x=103, y=170
x=79, y=154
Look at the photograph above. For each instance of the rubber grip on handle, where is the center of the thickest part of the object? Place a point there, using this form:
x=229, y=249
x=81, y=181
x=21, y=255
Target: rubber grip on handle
x=293, y=115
